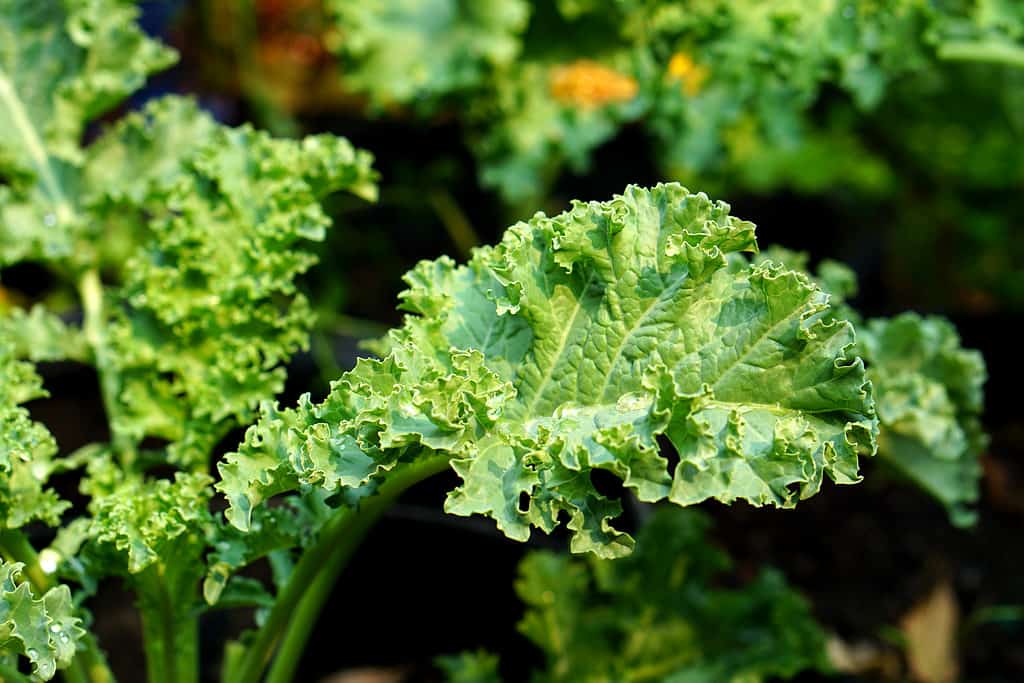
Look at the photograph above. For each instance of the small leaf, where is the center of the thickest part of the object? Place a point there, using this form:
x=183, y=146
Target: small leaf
x=27, y=449
x=42, y=629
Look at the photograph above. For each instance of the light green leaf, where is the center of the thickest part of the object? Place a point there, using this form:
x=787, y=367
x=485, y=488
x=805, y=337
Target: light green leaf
x=61, y=65
x=572, y=346
x=208, y=311
x=26, y=447
x=145, y=522
x=928, y=390
x=929, y=393
x=42, y=629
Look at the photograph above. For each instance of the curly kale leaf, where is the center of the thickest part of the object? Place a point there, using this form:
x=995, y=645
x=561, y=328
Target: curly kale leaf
x=61, y=65
x=208, y=310
x=929, y=394
x=657, y=615
x=201, y=226
x=42, y=629
x=148, y=521
x=571, y=346
x=26, y=448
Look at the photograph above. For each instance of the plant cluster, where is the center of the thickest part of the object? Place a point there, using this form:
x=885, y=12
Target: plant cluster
x=644, y=337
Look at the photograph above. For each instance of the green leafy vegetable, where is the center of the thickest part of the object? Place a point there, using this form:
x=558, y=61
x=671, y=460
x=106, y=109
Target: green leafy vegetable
x=208, y=310
x=449, y=45
x=724, y=89
x=570, y=347
x=42, y=629
x=634, y=336
x=62, y=65
x=183, y=239
x=26, y=449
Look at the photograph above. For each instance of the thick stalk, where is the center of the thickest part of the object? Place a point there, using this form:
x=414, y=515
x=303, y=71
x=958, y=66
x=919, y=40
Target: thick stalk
x=297, y=606
x=170, y=638
x=90, y=288
x=89, y=664
x=980, y=51
x=304, y=618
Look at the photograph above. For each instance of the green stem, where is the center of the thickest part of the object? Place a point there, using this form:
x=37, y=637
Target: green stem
x=297, y=606
x=170, y=638
x=94, y=326
x=455, y=222
x=89, y=664
x=305, y=615
x=981, y=51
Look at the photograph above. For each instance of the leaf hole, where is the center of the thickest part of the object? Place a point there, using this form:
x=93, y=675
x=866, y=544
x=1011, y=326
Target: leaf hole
x=669, y=452
x=606, y=483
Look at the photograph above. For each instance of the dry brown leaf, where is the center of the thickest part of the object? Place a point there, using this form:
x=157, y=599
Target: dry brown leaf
x=930, y=632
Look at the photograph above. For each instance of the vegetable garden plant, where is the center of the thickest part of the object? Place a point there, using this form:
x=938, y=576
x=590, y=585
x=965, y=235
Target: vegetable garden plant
x=644, y=337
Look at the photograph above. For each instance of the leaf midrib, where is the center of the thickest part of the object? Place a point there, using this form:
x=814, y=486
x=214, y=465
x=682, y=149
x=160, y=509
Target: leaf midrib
x=799, y=309
x=670, y=290
x=34, y=144
x=561, y=350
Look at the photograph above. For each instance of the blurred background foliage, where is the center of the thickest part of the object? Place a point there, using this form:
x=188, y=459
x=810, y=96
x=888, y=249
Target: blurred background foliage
x=901, y=119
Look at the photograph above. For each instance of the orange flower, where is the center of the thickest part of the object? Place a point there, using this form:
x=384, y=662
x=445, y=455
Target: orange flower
x=586, y=83
x=692, y=75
